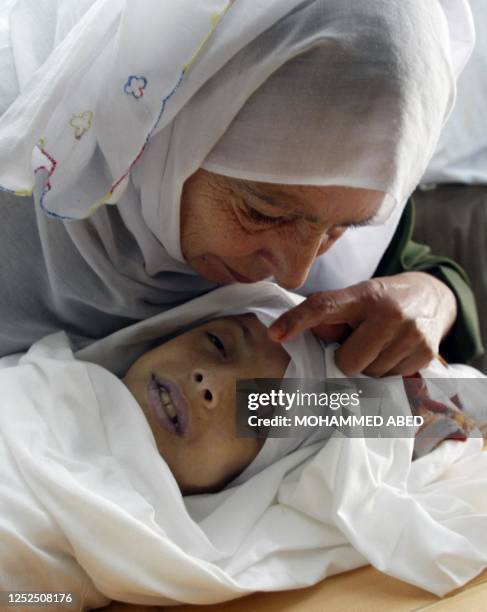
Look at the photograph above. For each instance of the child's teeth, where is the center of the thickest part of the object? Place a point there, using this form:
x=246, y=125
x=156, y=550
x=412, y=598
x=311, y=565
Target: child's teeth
x=168, y=405
x=171, y=411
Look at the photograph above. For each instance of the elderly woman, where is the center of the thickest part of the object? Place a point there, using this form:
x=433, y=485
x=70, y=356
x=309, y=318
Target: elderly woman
x=172, y=147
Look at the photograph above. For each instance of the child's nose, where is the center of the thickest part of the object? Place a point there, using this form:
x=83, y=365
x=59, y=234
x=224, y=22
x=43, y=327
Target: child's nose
x=207, y=387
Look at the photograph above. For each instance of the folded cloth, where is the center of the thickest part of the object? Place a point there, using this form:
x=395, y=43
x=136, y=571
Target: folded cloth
x=89, y=506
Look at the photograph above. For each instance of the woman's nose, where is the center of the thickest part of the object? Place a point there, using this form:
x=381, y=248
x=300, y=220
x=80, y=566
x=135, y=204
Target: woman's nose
x=207, y=387
x=293, y=262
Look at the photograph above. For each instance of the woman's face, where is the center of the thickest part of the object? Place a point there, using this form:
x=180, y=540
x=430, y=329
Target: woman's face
x=186, y=388
x=244, y=231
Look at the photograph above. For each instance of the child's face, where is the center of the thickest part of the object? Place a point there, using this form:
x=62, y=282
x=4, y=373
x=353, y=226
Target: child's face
x=186, y=388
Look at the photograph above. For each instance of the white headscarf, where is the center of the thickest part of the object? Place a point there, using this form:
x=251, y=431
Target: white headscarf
x=143, y=94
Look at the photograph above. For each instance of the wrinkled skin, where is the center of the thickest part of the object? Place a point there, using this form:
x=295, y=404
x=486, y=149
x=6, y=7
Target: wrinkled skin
x=388, y=325
x=244, y=231
x=228, y=228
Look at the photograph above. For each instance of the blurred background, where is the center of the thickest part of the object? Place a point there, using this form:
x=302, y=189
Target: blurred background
x=451, y=202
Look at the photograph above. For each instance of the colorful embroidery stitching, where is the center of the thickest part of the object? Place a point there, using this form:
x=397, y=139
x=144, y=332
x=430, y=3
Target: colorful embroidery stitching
x=18, y=192
x=81, y=123
x=135, y=86
x=47, y=188
x=215, y=20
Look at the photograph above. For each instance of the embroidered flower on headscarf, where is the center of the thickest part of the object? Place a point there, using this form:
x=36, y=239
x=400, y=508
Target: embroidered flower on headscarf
x=81, y=123
x=135, y=86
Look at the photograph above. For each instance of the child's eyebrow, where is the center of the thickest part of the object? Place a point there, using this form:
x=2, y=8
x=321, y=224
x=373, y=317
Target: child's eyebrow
x=244, y=329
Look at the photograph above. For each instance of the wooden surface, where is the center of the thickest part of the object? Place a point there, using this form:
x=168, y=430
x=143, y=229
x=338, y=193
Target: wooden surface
x=362, y=590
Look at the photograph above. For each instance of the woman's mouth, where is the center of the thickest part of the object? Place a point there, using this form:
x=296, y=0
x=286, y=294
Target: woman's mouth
x=167, y=405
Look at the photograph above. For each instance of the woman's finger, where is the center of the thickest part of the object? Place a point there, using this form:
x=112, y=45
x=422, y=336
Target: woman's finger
x=361, y=348
x=332, y=333
x=320, y=309
x=410, y=348
x=397, y=351
x=413, y=363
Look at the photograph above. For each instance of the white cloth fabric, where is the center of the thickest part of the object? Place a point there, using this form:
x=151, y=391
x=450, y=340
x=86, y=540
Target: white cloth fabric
x=87, y=501
x=461, y=155
x=143, y=92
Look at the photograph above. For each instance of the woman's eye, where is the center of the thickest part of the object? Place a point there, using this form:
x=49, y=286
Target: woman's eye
x=256, y=215
x=215, y=340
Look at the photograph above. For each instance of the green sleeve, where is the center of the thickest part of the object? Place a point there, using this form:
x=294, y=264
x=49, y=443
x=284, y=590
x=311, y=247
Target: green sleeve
x=463, y=343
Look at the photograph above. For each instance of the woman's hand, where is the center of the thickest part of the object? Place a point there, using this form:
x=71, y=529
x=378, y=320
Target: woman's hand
x=388, y=325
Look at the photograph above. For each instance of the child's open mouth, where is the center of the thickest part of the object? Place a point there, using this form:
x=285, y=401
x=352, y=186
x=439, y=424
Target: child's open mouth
x=167, y=404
